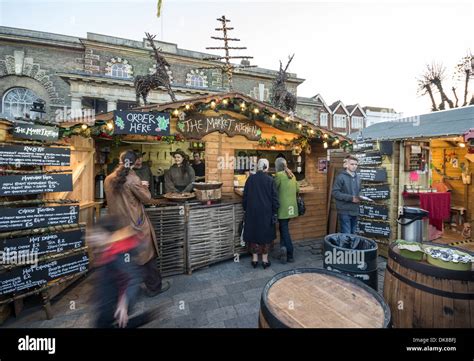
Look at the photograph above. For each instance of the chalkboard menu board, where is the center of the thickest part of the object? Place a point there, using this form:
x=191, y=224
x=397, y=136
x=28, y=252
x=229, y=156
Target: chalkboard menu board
x=39, y=245
x=373, y=175
x=373, y=211
x=36, y=132
x=37, y=217
x=376, y=192
x=369, y=158
x=19, y=155
x=145, y=123
x=24, y=278
x=380, y=229
x=14, y=185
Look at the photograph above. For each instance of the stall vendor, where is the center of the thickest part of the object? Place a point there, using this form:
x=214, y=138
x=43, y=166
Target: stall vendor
x=143, y=171
x=180, y=177
x=199, y=167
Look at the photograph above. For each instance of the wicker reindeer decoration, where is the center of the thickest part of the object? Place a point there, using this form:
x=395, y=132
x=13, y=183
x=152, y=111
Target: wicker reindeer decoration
x=281, y=97
x=145, y=83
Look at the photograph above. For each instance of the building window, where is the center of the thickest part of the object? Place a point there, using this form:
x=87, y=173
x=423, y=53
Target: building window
x=119, y=71
x=18, y=101
x=119, y=68
x=323, y=119
x=339, y=121
x=357, y=122
x=196, y=79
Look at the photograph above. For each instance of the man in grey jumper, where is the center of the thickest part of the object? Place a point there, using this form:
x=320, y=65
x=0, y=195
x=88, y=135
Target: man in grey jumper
x=346, y=192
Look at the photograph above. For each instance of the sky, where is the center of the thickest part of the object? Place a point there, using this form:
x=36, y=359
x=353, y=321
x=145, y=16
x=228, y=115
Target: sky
x=366, y=52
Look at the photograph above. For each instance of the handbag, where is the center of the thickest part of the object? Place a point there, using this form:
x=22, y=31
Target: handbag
x=301, y=206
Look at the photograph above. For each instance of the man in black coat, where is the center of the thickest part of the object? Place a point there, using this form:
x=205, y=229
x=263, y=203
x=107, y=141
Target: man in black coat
x=260, y=203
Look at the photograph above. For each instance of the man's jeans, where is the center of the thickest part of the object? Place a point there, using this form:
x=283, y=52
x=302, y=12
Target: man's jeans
x=285, y=238
x=347, y=223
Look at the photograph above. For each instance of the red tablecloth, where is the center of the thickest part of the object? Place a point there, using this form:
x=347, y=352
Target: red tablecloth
x=439, y=206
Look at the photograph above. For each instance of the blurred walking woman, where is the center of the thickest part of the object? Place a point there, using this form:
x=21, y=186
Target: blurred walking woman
x=287, y=188
x=126, y=195
x=260, y=203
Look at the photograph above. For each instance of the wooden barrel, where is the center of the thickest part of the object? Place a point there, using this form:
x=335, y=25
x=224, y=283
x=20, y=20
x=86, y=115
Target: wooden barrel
x=422, y=295
x=317, y=298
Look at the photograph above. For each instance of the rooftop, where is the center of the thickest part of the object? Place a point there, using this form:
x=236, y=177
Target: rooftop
x=452, y=122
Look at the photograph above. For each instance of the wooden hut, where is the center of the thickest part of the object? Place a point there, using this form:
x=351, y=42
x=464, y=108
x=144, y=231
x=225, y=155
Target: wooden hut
x=425, y=156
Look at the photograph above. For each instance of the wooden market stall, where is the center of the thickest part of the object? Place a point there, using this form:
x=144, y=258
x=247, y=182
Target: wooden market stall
x=429, y=163
x=224, y=129
x=46, y=201
x=426, y=162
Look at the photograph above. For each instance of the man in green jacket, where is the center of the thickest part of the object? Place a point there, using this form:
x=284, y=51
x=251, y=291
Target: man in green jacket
x=287, y=188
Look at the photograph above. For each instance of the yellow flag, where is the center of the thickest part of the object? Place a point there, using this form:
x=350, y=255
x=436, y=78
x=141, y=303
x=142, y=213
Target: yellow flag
x=158, y=12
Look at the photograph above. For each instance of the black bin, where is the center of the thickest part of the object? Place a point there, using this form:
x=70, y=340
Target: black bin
x=352, y=255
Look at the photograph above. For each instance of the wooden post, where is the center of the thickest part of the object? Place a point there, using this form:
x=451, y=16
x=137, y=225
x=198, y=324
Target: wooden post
x=47, y=304
x=4, y=126
x=18, y=306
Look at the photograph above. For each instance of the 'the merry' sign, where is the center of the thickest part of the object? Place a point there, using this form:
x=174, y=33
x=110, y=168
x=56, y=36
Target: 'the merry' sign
x=199, y=125
x=144, y=123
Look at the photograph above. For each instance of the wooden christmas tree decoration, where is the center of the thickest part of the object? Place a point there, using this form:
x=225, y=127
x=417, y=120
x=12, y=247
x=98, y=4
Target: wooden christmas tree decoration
x=227, y=67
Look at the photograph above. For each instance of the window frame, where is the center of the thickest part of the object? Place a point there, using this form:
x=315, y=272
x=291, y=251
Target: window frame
x=123, y=68
x=25, y=105
x=339, y=119
x=321, y=119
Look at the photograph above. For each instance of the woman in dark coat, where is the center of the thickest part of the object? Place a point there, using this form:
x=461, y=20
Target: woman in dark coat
x=260, y=203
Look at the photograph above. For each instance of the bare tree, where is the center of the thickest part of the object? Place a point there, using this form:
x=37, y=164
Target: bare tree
x=435, y=73
x=434, y=76
x=424, y=87
x=464, y=72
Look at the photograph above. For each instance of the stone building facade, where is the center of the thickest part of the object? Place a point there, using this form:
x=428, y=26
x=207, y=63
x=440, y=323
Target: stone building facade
x=75, y=76
x=97, y=72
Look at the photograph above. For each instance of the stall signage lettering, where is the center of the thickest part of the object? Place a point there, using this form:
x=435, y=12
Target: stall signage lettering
x=376, y=192
x=380, y=229
x=200, y=125
x=373, y=211
x=24, y=278
x=143, y=123
x=36, y=132
x=43, y=244
x=373, y=175
x=14, y=185
x=361, y=147
x=35, y=217
x=369, y=158
x=18, y=155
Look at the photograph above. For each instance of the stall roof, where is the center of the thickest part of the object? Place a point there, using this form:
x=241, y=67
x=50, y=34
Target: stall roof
x=452, y=122
x=219, y=97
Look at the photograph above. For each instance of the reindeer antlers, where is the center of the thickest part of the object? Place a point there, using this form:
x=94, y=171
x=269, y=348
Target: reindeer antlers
x=289, y=61
x=149, y=36
x=290, y=58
